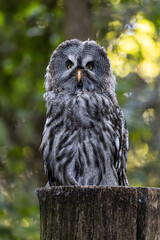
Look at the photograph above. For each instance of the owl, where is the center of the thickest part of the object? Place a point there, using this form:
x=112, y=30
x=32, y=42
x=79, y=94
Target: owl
x=85, y=139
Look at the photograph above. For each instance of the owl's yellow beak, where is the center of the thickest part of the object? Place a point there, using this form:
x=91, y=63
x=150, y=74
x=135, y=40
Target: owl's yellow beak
x=79, y=74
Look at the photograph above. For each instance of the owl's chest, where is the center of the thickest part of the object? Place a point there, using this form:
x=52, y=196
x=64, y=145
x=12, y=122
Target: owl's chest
x=87, y=112
x=82, y=123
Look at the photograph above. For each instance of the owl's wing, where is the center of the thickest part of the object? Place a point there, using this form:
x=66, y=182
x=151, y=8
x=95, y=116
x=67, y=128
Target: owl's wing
x=46, y=150
x=47, y=138
x=122, y=147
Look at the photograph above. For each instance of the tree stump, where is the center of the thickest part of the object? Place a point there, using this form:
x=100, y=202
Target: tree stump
x=99, y=213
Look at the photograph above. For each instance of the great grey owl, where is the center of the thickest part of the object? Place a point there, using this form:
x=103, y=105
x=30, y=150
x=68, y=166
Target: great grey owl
x=85, y=139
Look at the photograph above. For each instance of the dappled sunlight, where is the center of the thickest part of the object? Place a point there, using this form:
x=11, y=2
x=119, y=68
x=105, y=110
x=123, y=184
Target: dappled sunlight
x=136, y=51
x=149, y=115
x=138, y=157
x=141, y=158
x=148, y=70
x=141, y=155
x=119, y=64
x=8, y=222
x=115, y=2
x=19, y=212
x=128, y=45
x=149, y=48
x=114, y=24
x=145, y=26
x=25, y=222
x=110, y=36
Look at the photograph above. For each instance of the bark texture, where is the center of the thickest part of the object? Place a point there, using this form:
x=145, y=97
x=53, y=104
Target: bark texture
x=99, y=213
x=77, y=21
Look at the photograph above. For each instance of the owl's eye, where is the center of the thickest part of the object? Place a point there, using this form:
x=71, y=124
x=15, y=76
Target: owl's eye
x=69, y=64
x=90, y=66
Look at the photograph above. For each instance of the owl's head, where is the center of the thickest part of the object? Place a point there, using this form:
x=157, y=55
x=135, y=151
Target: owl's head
x=77, y=66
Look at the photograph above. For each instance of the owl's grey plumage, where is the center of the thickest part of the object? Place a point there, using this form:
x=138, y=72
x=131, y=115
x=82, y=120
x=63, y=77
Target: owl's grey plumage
x=85, y=140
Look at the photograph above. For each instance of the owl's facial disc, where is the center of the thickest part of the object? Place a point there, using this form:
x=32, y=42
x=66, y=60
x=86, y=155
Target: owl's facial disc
x=79, y=75
x=78, y=67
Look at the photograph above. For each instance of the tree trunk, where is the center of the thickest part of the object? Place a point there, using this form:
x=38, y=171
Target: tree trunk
x=77, y=21
x=99, y=213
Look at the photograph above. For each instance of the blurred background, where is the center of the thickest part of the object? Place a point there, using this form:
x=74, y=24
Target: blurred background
x=29, y=32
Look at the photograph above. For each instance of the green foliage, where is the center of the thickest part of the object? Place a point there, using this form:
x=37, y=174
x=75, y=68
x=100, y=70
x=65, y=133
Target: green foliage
x=19, y=216
x=29, y=32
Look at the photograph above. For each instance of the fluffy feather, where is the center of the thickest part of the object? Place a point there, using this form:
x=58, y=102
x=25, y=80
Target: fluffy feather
x=85, y=139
